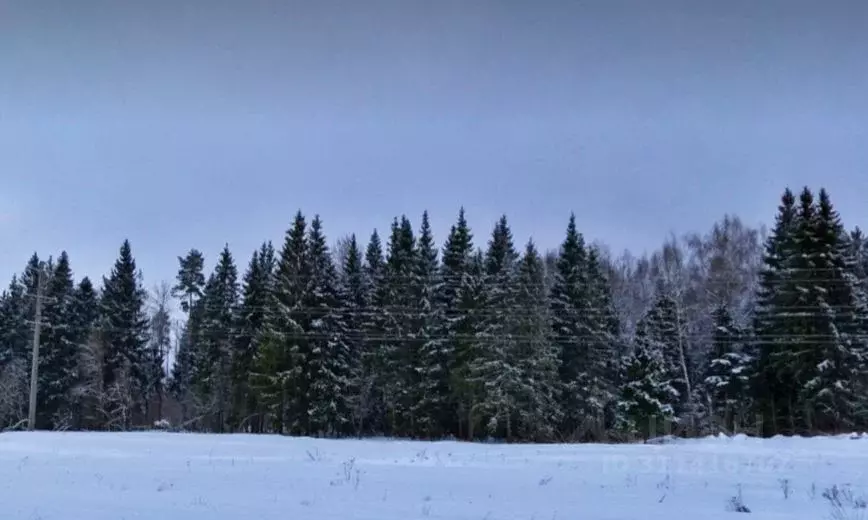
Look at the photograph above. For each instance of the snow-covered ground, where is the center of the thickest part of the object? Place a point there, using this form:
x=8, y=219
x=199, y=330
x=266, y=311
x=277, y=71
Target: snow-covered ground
x=54, y=476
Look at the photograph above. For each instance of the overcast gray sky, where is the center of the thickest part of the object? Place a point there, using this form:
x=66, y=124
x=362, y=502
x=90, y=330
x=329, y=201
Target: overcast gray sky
x=191, y=124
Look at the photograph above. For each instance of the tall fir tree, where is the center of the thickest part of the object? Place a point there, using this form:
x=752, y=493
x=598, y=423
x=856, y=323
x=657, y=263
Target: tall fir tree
x=396, y=352
x=329, y=363
x=124, y=334
x=605, y=348
x=834, y=388
x=85, y=320
x=470, y=396
x=444, y=387
x=371, y=398
x=582, y=367
x=58, y=370
x=253, y=322
x=539, y=412
x=355, y=302
x=279, y=374
x=493, y=368
x=212, y=373
x=771, y=388
x=432, y=360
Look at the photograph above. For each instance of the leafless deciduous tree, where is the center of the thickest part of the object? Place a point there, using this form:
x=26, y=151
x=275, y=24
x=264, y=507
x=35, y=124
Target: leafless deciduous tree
x=14, y=380
x=160, y=347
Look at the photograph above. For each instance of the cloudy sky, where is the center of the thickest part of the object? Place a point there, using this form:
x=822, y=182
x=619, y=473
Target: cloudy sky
x=192, y=124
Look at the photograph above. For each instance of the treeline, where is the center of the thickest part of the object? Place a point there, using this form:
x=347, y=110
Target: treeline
x=731, y=330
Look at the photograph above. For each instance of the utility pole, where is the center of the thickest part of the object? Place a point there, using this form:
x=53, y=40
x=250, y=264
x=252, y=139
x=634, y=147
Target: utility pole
x=34, y=368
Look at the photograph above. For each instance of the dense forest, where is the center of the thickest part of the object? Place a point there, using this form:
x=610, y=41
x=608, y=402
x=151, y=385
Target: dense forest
x=735, y=329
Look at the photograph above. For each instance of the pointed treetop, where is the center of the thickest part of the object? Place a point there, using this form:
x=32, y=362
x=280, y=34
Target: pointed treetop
x=788, y=200
x=459, y=244
x=316, y=237
x=85, y=285
x=501, y=250
x=299, y=225
x=352, y=261
x=374, y=254
x=806, y=198
x=827, y=211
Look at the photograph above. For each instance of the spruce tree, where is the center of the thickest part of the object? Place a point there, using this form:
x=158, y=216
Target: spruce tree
x=85, y=321
x=58, y=350
x=834, y=388
x=212, y=371
x=432, y=362
x=605, y=348
x=371, y=398
x=494, y=367
x=859, y=251
x=472, y=340
x=582, y=366
x=725, y=378
x=443, y=386
x=538, y=358
x=397, y=354
x=86, y=307
x=329, y=364
x=279, y=373
x=354, y=302
x=664, y=330
x=647, y=395
x=772, y=389
x=253, y=322
x=124, y=335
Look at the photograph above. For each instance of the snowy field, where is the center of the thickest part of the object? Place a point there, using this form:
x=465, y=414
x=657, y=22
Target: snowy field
x=54, y=476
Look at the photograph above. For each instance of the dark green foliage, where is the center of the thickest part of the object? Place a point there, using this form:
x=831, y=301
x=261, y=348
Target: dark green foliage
x=397, y=351
x=663, y=329
x=189, y=286
x=279, y=374
x=371, y=410
x=355, y=301
x=428, y=344
x=124, y=338
x=493, y=368
x=538, y=358
x=473, y=344
x=810, y=325
x=582, y=330
x=646, y=400
x=190, y=281
x=212, y=376
x=328, y=361
x=252, y=327
x=448, y=363
x=60, y=343
x=772, y=388
x=725, y=378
